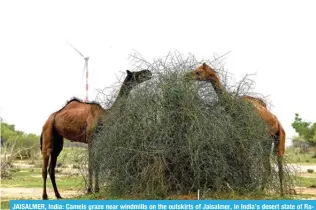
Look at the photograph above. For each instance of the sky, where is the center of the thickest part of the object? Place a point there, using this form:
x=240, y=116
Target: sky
x=39, y=72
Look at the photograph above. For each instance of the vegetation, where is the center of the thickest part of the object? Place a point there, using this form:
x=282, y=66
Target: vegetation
x=24, y=145
x=172, y=136
x=306, y=181
x=16, y=144
x=296, y=154
x=306, y=131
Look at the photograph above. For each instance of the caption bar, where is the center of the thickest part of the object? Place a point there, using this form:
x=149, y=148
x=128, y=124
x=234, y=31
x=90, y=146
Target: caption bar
x=163, y=204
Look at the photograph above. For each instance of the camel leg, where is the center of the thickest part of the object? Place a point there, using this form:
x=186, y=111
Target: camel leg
x=46, y=152
x=44, y=174
x=58, y=143
x=90, y=169
x=46, y=145
x=267, y=171
x=266, y=164
x=51, y=170
x=280, y=166
x=96, y=178
x=279, y=159
x=96, y=163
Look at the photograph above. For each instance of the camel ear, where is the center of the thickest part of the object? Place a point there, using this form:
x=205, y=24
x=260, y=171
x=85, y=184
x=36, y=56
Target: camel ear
x=204, y=65
x=128, y=72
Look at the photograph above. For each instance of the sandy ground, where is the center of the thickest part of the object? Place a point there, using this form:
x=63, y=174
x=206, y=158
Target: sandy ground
x=32, y=193
x=10, y=193
x=306, y=191
x=303, y=168
x=36, y=193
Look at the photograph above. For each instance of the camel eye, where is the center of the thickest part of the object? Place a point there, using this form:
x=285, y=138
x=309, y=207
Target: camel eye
x=197, y=73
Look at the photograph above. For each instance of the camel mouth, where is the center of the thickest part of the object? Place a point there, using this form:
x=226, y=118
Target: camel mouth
x=148, y=75
x=188, y=76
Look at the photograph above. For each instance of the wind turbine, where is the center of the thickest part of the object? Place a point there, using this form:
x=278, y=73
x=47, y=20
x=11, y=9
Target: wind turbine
x=85, y=68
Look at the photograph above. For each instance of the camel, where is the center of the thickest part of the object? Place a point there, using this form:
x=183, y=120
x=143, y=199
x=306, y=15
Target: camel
x=205, y=73
x=77, y=121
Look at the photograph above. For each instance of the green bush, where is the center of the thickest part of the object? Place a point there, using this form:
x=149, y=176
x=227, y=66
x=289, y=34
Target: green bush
x=310, y=171
x=171, y=135
x=20, y=144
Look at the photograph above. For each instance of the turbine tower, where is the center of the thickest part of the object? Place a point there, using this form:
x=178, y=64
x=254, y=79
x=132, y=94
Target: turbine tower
x=85, y=69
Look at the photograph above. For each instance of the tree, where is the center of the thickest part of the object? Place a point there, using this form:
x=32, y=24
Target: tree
x=24, y=144
x=305, y=130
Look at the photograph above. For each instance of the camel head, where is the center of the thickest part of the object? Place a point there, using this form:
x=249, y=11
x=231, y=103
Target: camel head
x=137, y=77
x=203, y=73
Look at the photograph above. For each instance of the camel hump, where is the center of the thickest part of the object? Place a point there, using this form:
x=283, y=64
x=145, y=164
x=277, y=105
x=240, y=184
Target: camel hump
x=258, y=100
x=78, y=103
x=74, y=99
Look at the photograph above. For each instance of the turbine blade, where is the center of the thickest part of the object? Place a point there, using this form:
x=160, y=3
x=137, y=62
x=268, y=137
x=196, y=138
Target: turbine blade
x=76, y=49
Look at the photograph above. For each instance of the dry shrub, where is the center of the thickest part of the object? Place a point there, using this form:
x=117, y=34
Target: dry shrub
x=172, y=135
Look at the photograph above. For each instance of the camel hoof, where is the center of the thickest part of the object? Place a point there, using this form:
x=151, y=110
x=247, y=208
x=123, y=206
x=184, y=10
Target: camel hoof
x=58, y=197
x=45, y=197
x=89, y=191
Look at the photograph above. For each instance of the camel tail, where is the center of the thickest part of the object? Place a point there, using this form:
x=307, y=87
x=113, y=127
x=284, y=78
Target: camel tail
x=56, y=140
x=41, y=141
x=49, y=131
x=279, y=142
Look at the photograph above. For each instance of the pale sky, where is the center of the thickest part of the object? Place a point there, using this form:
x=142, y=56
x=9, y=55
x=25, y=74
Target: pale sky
x=39, y=71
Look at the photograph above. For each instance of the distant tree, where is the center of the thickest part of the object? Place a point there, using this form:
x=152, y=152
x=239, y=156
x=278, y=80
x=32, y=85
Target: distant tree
x=305, y=130
x=28, y=144
x=8, y=131
x=2, y=140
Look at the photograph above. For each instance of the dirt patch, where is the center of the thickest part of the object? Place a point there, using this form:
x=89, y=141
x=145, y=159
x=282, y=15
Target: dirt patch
x=303, y=168
x=22, y=165
x=59, y=175
x=307, y=175
x=306, y=191
x=33, y=193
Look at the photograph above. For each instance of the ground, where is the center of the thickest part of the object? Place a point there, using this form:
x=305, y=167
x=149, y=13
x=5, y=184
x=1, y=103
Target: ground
x=31, y=193
x=26, y=182
x=11, y=192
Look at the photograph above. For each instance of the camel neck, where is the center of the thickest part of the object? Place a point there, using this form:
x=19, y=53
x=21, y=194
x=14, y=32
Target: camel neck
x=124, y=92
x=218, y=87
x=224, y=97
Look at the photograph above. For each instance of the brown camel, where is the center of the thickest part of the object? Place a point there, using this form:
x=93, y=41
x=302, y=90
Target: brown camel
x=77, y=121
x=206, y=73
